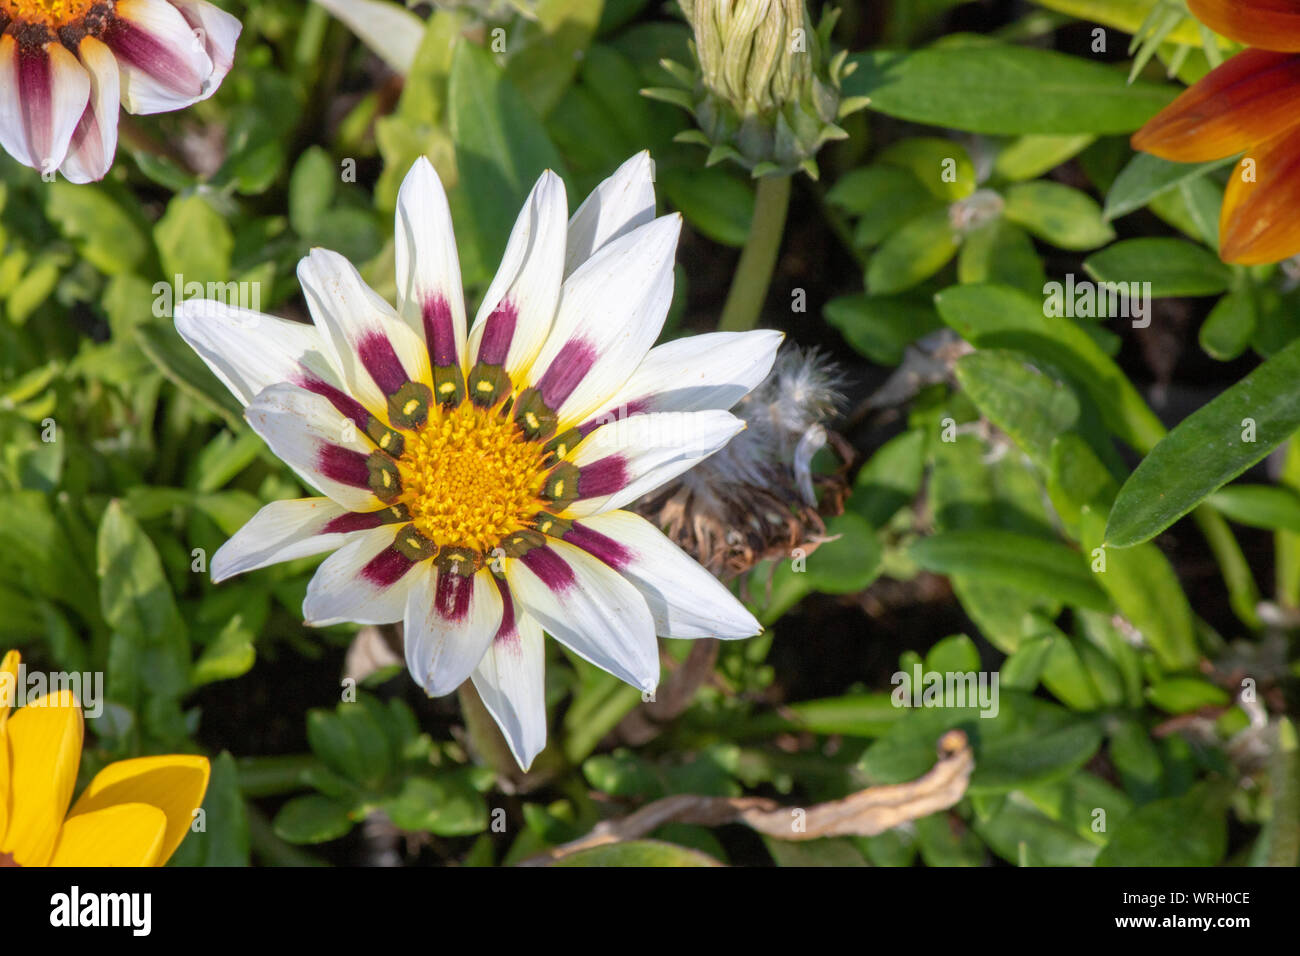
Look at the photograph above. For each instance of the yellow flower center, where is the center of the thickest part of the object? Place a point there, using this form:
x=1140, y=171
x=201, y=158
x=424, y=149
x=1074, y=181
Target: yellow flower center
x=52, y=13
x=470, y=477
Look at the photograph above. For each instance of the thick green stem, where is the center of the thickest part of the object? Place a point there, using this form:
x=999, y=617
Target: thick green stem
x=754, y=273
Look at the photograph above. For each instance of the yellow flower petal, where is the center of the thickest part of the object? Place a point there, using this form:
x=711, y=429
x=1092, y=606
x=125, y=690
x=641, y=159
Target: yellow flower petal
x=8, y=685
x=127, y=834
x=45, y=748
x=4, y=785
x=175, y=784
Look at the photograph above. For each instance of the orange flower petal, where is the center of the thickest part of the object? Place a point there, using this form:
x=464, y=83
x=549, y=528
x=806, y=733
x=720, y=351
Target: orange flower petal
x=1246, y=100
x=127, y=834
x=1260, y=220
x=45, y=748
x=175, y=784
x=1267, y=24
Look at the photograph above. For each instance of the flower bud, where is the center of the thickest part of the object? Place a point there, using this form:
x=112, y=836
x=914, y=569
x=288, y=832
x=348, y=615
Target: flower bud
x=764, y=93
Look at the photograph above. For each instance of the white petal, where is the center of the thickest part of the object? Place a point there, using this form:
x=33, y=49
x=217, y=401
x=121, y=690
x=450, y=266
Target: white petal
x=626, y=459
x=615, y=207
x=218, y=30
x=250, y=351
x=685, y=599
x=284, y=531
x=511, y=679
x=520, y=302
x=450, y=621
x=164, y=65
x=389, y=29
x=366, y=581
x=611, y=311
x=90, y=153
x=429, y=295
x=589, y=608
x=43, y=93
x=313, y=438
x=362, y=334
x=694, y=373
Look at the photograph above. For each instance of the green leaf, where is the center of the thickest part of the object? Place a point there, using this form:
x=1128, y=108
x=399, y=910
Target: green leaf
x=919, y=249
x=1145, y=588
x=993, y=316
x=1018, y=832
x=194, y=241
x=447, y=805
x=1065, y=217
x=231, y=655
x=149, y=637
x=1259, y=506
x=1146, y=177
x=106, y=235
x=637, y=853
x=1208, y=449
x=890, y=479
x=849, y=562
x=1227, y=330
x=1182, y=695
x=941, y=165
x=1002, y=90
x=881, y=327
x=1014, y=395
x=1173, y=267
x=312, y=819
x=501, y=149
x=1190, y=830
x=1000, y=251
x=715, y=201
x=1019, y=561
x=311, y=190
x=1028, y=157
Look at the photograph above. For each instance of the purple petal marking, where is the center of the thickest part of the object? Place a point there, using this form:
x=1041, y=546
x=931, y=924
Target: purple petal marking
x=603, y=477
x=386, y=568
x=343, y=465
x=553, y=570
x=377, y=355
x=439, y=332
x=498, y=332
x=451, y=596
x=507, y=633
x=35, y=100
x=353, y=521
x=616, y=555
x=622, y=413
x=144, y=51
x=569, y=368
x=344, y=403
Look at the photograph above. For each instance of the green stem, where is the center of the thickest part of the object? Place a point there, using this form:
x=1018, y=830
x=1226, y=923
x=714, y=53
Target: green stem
x=754, y=272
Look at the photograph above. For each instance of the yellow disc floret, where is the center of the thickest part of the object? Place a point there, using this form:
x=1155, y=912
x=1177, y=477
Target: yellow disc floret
x=470, y=477
x=52, y=13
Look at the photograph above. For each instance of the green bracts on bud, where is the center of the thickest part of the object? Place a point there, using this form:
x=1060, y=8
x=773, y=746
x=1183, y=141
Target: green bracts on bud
x=764, y=92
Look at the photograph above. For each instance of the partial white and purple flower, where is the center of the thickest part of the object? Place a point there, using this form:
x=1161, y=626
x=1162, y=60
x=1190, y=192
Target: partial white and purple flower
x=475, y=474
x=67, y=65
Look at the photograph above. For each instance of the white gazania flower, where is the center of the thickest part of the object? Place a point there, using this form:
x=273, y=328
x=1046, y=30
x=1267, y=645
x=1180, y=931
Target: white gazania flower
x=475, y=477
x=66, y=64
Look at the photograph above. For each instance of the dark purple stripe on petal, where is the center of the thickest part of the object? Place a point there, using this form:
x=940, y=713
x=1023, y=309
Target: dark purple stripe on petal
x=35, y=98
x=603, y=477
x=145, y=52
x=343, y=465
x=452, y=595
x=507, y=631
x=554, y=572
x=623, y=412
x=343, y=402
x=601, y=546
x=353, y=521
x=377, y=355
x=386, y=568
x=439, y=332
x=498, y=331
x=570, y=367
